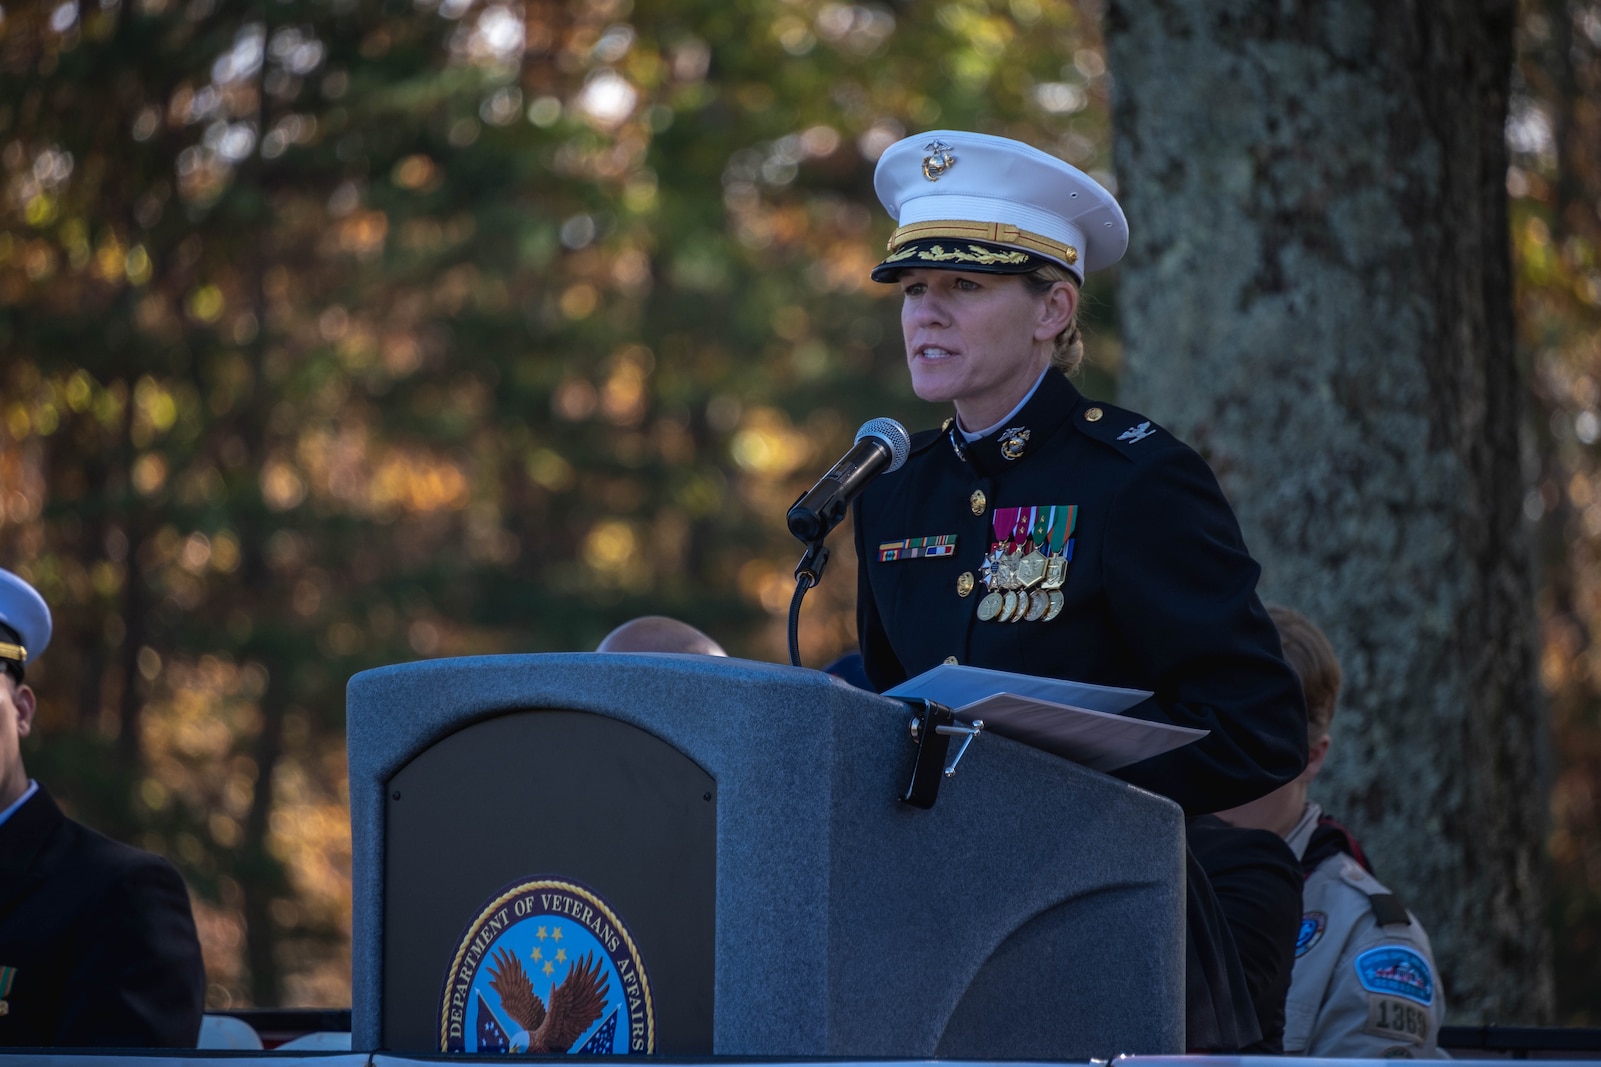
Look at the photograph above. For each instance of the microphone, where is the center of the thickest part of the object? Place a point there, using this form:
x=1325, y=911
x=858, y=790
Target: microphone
x=882, y=445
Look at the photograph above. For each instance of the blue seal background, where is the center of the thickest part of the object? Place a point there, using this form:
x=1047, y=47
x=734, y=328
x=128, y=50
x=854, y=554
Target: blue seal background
x=548, y=944
x=1396, y=970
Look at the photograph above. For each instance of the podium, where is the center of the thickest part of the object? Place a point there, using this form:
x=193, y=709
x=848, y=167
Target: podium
x=722, y=846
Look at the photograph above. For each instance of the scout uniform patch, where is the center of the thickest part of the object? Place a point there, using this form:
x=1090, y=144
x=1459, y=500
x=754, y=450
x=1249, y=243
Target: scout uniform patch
x=1397, y=971
x=1313, y=924
x=1026, y=565
x=1397, y=1018
x=917, y=547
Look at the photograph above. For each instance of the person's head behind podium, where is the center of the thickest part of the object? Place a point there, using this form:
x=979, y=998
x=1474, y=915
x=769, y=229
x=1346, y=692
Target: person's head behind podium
x=658, y=633
x=24, y=633
x=1309, y=652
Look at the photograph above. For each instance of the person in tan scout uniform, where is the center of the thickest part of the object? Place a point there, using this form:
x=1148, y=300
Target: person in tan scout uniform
x=1364, y=983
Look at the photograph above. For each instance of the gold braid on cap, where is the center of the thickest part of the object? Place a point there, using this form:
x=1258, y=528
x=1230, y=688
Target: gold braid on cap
x=999, y=233
x=14, y=653
x=974, y=254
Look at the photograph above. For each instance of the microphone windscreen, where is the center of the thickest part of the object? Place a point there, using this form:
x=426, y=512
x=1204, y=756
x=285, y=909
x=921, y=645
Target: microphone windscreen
x=894, y=436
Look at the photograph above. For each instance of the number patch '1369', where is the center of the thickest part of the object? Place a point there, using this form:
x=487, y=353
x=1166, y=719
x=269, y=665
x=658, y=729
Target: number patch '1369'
x=1397, y=1018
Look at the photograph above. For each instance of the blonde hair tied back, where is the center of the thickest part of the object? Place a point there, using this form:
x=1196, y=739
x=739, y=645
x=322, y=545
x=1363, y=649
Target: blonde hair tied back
x=1068, y=354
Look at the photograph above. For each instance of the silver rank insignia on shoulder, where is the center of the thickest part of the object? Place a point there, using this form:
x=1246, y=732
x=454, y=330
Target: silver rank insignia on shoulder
x=1136, y=433
x=1012, y=442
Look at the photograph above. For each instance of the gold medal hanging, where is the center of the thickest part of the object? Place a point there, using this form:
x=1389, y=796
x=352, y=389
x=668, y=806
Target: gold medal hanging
x=1031, y=569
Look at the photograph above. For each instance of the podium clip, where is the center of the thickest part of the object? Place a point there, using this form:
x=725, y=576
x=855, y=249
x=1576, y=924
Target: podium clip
x=932, y=727
x=966, y=732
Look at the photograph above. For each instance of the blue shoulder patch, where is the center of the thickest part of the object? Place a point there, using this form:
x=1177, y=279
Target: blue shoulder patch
x=1396, y=970
x=1313, y=923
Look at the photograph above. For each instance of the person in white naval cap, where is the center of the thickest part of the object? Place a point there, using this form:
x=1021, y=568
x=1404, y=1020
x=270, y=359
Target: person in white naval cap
x=1364, y=983
x=1042, y=532
x=97, y=940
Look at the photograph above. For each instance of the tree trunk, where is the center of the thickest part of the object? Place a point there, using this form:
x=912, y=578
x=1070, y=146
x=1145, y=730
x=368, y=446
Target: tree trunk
x=1318, y=297
x=261, y=873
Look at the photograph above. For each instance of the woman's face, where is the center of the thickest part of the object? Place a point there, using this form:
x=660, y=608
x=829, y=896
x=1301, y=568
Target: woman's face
x=979, y=340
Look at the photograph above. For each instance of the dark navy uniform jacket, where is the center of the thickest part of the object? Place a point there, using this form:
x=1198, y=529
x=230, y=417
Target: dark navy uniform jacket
x=97, y=941
x=1257, y=882
x=1160, y=593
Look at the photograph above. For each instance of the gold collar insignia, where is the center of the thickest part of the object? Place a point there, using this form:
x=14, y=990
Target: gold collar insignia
x=1012, y=442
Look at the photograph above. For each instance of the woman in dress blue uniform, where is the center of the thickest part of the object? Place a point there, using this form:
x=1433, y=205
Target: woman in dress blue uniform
x=1042, y=532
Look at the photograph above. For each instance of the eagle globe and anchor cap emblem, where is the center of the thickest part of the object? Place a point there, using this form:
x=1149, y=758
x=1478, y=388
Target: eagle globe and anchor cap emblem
x=938, y=161
x=547, y=966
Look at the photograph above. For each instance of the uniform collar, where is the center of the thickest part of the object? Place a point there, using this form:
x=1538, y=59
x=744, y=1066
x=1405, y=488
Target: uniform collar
x=33, y=787
x=22, y=839
x=1010, y=415
x=1301, y=836
x=1053, y=403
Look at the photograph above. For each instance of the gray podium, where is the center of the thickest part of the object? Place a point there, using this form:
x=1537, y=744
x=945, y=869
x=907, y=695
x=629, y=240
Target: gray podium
x=722, y=843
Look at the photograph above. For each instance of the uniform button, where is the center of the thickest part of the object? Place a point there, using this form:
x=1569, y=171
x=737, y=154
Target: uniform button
x=950, y=660
x=964, y=583
x=978, y=501
x=1093, y=415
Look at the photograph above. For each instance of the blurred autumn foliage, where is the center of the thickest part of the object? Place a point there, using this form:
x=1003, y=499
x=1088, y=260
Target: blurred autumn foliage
x=1554, y=134
x=334, y=334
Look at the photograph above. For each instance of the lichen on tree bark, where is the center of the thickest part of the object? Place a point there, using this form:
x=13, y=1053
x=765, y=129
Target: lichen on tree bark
x=1317, y=296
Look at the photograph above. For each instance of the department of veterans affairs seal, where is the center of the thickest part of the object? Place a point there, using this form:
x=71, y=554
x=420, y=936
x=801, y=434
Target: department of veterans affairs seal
x=559, y=937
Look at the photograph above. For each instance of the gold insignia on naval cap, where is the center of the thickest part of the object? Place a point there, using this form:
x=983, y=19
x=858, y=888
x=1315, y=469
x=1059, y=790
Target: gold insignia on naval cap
x=973, y=254
x=14, y=653
x=999, y=233
x=977, y=501
x=938, y=161
x=1093, y=415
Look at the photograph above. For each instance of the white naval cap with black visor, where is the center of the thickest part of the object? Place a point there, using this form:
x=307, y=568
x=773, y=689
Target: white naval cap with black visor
x=24, y=623
x=991, y=205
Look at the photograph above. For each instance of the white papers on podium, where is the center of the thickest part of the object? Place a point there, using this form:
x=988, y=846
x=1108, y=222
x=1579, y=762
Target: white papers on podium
x=1076, y=720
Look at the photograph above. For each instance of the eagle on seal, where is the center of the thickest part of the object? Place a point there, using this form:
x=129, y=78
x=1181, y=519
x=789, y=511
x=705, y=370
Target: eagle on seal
x=575, y=1004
